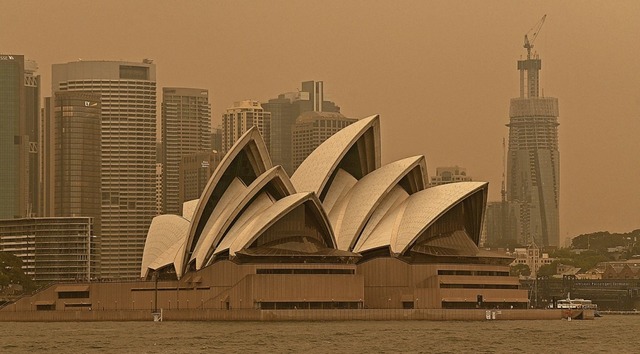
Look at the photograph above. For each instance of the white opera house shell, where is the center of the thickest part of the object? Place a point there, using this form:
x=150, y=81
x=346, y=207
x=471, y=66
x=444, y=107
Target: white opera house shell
x=340, y=205
x=342, y=233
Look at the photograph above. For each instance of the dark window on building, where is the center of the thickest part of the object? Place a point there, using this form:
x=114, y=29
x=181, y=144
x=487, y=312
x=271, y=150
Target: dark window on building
x=305, y=271
x=316, y=305
x=470, y=272
x=407, y=304
x=47, y=307
x=134, y=72
x=73, y=295
x=82, y=305
x=478, y=286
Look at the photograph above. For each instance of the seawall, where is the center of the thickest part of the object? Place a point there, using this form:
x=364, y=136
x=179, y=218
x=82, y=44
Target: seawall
x=293, y=315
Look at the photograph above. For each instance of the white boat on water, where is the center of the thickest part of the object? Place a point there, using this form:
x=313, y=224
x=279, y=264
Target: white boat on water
x=576, y=304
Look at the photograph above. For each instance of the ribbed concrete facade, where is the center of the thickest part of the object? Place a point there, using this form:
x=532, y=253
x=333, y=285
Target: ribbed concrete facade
x=128, y=143
x=186, y=129
x=343, y=233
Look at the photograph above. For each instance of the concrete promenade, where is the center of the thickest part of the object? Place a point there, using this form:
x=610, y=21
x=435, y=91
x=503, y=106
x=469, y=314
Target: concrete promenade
x=290, y=315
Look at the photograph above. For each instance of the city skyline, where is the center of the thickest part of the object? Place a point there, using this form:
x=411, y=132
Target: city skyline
x=413, y=71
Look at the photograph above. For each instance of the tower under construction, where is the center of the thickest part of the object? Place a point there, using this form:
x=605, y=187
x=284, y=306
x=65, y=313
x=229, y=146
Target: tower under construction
x=533, y=161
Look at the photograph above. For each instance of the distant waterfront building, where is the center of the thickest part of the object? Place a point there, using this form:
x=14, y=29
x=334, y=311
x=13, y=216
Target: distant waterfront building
x=533, y=160
x=312, y=129
x=128, y=144
x=55, y=249
x=446, y=175
x=19, y=136
x=186, y=129
x=628, y=269
x=284, y=110
x=195, y=170
x=241, y=117
x=532, y=257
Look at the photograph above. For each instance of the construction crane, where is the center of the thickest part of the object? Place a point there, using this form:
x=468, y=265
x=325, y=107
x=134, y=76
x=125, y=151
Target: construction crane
x=534, y=31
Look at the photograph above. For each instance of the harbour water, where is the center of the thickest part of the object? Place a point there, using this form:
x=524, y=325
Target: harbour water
x=609, y=334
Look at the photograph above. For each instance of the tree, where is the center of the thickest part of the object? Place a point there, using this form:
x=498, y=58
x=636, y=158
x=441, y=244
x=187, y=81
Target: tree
x=548, y=269
x=11, y=272
x=520, y=270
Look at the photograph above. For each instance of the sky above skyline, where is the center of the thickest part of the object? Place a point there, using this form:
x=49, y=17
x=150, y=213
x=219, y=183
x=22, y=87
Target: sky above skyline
x=440, y=74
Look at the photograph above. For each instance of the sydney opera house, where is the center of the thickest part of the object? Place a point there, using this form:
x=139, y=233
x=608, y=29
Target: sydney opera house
x=343, y=232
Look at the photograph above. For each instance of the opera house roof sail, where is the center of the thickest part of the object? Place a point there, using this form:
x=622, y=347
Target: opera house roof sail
x=344, y=232
x=340, y=205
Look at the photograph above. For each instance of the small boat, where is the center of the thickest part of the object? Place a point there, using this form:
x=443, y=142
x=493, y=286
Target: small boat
x=576, y=304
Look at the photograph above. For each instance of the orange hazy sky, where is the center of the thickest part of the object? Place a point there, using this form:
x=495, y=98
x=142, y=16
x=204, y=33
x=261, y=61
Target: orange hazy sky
x=440, y=73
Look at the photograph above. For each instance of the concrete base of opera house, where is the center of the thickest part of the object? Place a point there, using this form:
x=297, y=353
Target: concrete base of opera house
x=295, y=315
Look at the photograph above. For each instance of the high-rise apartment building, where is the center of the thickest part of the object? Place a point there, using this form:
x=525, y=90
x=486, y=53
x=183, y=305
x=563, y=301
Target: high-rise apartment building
x=533, y=160
x=51, y=249
x=284, y=110
x=128, y=161
x=451, y=174
x=240, y=117
x=19, y=136
x=312, y=129
x=186, y=129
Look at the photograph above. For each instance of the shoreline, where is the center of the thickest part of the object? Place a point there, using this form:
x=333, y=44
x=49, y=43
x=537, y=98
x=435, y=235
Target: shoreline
x=295, y=315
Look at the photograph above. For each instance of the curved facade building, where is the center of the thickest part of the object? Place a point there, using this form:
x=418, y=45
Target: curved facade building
x=342, y=232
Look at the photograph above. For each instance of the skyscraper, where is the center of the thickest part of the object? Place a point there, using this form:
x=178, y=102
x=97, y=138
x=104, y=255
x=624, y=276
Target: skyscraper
x=186, y=129
x=240, y=117
x=284, y=110
x=71, y=156
x=533, y=160
x=128, y=144
x=19, y=136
